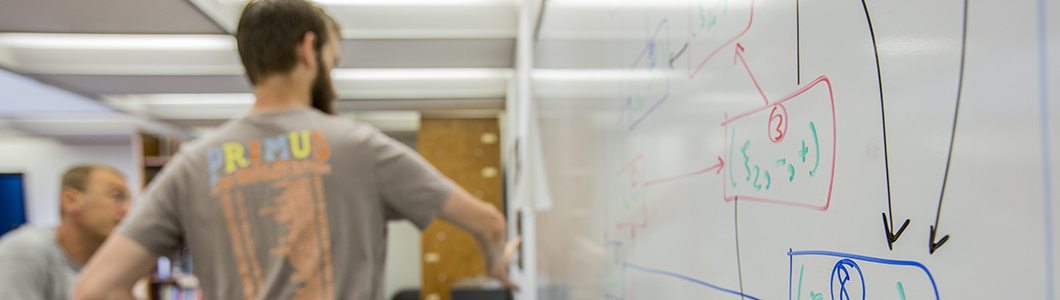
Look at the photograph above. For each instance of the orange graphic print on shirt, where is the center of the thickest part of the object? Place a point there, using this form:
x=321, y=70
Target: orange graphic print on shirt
x=291, y=166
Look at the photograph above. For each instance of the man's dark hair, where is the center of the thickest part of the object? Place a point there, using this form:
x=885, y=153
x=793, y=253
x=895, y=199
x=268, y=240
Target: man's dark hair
x=270, y=30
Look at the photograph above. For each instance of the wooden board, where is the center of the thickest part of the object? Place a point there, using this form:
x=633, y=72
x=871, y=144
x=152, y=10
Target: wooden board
x=468, y=152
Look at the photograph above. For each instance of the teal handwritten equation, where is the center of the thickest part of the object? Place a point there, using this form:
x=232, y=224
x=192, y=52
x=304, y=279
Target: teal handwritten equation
x=792, y=160
x=759, y=176
x=707, y=16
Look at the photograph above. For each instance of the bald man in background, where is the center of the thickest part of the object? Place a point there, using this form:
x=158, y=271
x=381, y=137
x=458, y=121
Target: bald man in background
x=42, y=263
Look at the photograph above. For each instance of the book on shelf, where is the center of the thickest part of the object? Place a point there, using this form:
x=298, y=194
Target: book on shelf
x=174, y=279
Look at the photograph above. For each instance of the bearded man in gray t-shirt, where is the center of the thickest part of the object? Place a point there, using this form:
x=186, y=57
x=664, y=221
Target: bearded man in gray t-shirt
x=289, y=202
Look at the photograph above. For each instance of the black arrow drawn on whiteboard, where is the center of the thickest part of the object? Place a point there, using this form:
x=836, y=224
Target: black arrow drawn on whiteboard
x=888, y=223
x=932, y=245
x=675, y=56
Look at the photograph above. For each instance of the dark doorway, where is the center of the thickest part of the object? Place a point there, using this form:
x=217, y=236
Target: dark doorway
x=12, y=202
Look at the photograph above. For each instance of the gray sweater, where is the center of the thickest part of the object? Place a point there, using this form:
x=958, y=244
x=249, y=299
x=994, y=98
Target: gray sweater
x=33, y=266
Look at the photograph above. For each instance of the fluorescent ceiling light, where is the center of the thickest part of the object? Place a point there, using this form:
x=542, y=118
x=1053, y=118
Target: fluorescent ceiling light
x=393, y=2
x=408, y=120
x=596, y=74
x=415, y=2
x=233, y=2
x=626, y=3
x=420, y=74
x=187, y=99
x=117, y=41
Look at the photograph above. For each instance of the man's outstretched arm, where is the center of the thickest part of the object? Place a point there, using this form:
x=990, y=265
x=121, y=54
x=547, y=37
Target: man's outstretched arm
x=487, y=225
x=114, y=269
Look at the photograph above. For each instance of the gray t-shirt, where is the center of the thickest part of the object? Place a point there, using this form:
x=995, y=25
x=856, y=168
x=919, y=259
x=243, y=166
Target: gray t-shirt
x=33, y=266
x=288, y=205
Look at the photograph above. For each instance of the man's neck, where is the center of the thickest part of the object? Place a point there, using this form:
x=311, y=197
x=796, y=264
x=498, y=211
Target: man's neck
x=277, y=93
x=77, y=245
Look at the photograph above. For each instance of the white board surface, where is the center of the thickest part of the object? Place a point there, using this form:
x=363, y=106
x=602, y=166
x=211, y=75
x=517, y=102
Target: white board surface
x=758, y=149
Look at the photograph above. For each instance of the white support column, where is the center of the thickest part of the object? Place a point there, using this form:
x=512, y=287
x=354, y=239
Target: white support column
x=520, y=112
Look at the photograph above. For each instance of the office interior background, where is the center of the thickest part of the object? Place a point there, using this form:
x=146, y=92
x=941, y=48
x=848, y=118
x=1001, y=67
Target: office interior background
x=124, y=82
x=642, y=148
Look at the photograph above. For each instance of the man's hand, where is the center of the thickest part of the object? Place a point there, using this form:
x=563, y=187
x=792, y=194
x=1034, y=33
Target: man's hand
x=486, y=224
x=500, y=269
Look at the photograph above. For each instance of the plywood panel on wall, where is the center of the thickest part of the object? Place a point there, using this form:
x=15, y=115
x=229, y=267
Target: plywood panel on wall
x=468, y=152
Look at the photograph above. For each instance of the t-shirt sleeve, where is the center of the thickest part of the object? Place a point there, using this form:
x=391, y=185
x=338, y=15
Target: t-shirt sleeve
x=23, y=277
x=155, y=223
x=410, y=187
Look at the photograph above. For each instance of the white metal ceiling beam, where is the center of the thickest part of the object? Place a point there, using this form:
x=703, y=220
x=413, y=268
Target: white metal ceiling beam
x=398, y=19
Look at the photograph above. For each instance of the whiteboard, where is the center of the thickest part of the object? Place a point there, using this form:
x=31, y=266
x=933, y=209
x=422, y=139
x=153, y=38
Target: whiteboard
x=757, y=149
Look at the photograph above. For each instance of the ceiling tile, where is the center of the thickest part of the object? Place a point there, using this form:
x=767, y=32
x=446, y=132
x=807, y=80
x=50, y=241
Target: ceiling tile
x=388, y=19
x=25, y=97
x=427, y=21
x=105, y=16
x=129, y=84
x=428, y=53
x=216, y=55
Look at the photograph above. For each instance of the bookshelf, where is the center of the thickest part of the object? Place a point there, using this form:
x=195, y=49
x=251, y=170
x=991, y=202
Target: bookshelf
x=172, y=278
x=154, y=152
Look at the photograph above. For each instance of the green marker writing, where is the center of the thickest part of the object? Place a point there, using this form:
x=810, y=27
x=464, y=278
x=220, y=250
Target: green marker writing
x=818, y=147
x=758, y=187
x=791, y=170
x=731, y=144
x=746, y=159
x=803, y=150
x=768, y=180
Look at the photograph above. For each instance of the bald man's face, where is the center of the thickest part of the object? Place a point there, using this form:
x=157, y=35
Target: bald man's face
x=103, y=204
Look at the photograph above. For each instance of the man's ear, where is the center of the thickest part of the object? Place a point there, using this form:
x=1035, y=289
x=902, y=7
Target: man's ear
x=69, y=199
x=306, y=49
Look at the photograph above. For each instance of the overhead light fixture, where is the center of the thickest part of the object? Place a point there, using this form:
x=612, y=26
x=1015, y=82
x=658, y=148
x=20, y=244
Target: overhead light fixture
x=183, y=99
x=420, y=74
x=118, y=41
x=620, y=3
x=596, y=74
x=392, y=2
x=184, y=106
x=233, y=2
x=415, y=2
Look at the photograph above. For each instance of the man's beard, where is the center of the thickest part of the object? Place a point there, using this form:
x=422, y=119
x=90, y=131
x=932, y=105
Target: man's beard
x=323, y=93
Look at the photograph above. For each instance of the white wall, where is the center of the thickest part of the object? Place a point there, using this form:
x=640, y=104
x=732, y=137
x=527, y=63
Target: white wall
x=403, y=268
x=43, y=161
